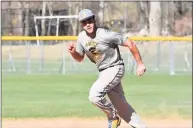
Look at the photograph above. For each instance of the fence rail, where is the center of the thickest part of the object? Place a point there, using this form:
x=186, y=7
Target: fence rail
x=158, y=38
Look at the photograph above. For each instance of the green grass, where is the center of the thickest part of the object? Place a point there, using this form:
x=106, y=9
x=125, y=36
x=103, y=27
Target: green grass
x=32, y=96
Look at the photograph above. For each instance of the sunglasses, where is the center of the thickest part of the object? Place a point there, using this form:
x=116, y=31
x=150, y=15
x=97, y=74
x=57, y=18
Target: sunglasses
x=87, y=21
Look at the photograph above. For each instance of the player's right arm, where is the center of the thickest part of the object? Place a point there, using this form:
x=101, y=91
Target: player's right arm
x=76, y=55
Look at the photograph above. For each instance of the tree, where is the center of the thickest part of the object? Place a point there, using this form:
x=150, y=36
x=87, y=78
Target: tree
x=171, y=18
x=74, y=8
x=49, y=3
x=101, y=12
x=143, y=14
x=155, y=19
x=43, y=20
x=26, y=18
x=16, y=18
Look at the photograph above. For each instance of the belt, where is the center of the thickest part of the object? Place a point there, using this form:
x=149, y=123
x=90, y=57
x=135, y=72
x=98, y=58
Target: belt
x=100, y=70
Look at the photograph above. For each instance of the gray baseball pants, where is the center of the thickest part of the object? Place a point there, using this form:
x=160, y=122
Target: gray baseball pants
x=109, y=82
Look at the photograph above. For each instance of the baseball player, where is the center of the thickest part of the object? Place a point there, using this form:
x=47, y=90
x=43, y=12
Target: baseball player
x=101, y=47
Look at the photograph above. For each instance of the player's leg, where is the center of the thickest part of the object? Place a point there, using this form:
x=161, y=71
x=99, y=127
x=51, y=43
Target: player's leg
x=107, y=80
x=125, y=110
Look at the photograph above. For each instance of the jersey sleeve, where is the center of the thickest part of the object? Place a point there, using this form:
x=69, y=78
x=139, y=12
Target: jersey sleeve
x=116, y=38
x=79, y=47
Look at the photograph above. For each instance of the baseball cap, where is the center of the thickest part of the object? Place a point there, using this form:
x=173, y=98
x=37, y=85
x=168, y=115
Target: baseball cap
x=85, y=14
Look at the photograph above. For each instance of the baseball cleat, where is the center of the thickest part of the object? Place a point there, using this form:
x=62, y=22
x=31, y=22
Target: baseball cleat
x=114, y=123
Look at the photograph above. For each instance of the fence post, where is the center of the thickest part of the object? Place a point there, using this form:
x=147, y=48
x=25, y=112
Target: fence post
x=158, y=56
x=41, y=55
x=187, y=63
x=172, y=59
x=28, y=56
x=12, y=66
x=63, y=59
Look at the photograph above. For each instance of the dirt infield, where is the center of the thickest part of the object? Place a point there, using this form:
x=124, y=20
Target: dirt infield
x=89, y=123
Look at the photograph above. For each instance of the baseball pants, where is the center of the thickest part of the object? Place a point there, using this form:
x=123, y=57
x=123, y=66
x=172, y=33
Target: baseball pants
x=109, y=82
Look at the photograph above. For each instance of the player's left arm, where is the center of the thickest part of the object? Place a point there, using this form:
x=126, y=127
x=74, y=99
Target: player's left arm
x=135, y=52
x=119, y=39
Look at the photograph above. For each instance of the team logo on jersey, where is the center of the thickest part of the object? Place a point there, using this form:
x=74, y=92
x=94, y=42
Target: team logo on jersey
x=93, y=53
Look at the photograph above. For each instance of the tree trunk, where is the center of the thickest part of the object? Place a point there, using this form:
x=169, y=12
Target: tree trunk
x=155, y=19
x=75, y=26
x=16, y=19
x=101, y=12
x=43, y=20
x=71, y=23
x=144, y=14
x=10, y=19
x=49, y=3
x=26, y=33
x=125, y=16
x=165, y=13
x=171, y=18
x=80, y=8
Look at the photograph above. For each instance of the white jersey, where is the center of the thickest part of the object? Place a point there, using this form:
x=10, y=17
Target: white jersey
x=102, y=50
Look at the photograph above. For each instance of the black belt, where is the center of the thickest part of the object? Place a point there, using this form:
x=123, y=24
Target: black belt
x=100, y=70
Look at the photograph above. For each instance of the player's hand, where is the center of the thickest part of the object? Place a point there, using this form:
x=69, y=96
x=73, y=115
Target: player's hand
x=71, y=48
x=141, y=69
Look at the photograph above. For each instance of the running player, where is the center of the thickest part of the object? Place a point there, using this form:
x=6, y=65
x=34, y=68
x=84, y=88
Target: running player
x=101, y=47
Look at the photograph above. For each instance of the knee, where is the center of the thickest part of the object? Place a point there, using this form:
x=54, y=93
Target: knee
x=95, y=94
x=93, y=98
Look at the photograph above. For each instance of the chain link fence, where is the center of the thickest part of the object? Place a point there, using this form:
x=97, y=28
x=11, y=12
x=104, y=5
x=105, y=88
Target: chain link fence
x=168, y=57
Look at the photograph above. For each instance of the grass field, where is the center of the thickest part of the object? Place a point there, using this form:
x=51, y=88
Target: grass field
x=50, y=96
